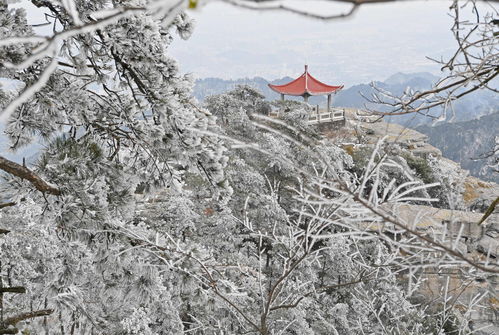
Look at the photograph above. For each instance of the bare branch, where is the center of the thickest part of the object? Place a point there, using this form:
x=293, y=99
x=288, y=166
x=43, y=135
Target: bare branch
x=489, y=210
x=473, y=66
x=25, y=316
x=25, y=173
x=272, y=5
x=7, y=204
x=14, y=289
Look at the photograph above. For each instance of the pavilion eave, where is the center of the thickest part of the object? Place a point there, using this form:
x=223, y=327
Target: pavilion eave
x=305, y=85
x=305, y=92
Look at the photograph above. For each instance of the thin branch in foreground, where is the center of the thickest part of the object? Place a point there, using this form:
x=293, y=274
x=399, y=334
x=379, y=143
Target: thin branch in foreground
x=25, y=173
x=7, y=204
x=25, y=316
x=257, y=5
x=489, y=210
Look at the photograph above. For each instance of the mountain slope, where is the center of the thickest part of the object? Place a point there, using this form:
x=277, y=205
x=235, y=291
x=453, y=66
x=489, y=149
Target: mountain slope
x=463, y=142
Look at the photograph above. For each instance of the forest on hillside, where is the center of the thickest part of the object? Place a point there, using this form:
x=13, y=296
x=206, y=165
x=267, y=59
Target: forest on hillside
x=147, y=212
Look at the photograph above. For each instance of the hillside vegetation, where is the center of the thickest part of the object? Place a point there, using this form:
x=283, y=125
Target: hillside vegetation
x=458, y=139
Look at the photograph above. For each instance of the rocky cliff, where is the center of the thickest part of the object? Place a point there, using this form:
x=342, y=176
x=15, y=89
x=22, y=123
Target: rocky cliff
x=457, y=218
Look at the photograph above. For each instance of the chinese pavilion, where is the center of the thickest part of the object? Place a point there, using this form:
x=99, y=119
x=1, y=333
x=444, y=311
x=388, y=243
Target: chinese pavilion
x=306, y=86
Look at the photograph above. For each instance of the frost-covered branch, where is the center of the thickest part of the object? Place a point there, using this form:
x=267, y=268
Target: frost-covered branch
x=25, y=173
x=472, y=67
x=49, y=47
x=26, y=316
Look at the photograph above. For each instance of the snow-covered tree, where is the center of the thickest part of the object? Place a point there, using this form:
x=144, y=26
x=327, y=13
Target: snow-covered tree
x=117, y=120
x=309, y=266
x=148, y=214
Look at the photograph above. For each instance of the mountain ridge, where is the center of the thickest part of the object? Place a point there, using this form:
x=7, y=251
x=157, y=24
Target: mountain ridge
x=469, y=107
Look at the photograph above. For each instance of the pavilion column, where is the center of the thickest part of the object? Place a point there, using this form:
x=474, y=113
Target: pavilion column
x=305, y=98
x=282, y=97
x=328, y=103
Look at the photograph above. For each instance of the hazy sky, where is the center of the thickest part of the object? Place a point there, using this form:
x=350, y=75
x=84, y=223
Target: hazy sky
x=374, y=43
x=379, y=40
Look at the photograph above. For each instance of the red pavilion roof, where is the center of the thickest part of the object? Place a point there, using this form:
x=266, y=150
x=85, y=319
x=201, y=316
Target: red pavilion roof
x=305, y=84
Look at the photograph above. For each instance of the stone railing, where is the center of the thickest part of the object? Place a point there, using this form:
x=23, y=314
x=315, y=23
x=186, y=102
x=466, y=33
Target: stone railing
x=323, y=116
x=318, y=115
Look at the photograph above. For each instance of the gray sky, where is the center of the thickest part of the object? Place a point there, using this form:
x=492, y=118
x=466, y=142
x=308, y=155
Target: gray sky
x=379, y=40
x=374, y=43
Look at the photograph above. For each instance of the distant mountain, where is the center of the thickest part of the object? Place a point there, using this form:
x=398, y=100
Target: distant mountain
x=404, y=78
x=482, y=102
x=469, y=107
x=463, y=142
x=396, y=84
x=209, y=86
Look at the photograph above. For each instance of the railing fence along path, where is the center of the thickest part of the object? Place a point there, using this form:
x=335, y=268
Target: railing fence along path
x=318, y=115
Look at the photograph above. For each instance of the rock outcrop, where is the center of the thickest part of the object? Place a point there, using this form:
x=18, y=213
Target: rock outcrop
x=459, y=227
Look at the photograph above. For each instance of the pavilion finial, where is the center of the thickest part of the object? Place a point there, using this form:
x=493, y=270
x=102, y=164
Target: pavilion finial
x=306, y=82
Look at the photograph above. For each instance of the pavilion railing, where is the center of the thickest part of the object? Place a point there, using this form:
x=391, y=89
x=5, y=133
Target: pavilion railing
x=324, y=116
x=275, y=113
x=318, y=115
